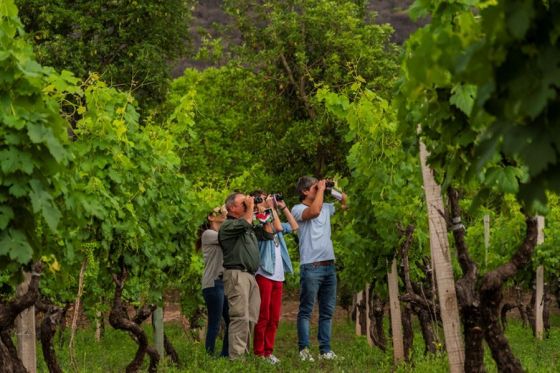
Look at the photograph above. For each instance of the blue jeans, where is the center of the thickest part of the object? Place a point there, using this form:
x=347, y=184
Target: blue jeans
x=217, y=305
x=316, y=282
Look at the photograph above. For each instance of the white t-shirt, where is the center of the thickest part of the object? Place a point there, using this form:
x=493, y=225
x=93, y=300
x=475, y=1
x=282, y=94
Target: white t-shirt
x=278, y=274
x=315, y=242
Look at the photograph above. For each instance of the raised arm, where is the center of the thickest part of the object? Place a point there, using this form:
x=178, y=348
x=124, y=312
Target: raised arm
x=289, y=217
x=343, y=201
x=314, y=209
x=277, y=224
x=250, y=206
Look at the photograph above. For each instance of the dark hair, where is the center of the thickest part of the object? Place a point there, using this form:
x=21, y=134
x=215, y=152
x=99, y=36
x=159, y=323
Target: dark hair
x=201, y=229
x=257, y=192
x=303, y=184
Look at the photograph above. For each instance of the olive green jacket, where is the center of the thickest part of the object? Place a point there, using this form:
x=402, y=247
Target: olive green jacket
x=239, y=244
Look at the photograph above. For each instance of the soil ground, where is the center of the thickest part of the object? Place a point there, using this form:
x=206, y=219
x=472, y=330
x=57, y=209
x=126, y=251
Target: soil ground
x=290, y=306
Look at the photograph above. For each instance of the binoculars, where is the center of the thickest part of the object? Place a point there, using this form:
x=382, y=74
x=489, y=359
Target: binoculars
x=277, y=197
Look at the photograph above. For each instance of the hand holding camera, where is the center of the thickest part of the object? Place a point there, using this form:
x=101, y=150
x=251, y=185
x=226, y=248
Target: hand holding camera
x=250, y=203
x=321, y=185
x=329, y=187
x=281, y=204
x=278, y=197
x=269, y=201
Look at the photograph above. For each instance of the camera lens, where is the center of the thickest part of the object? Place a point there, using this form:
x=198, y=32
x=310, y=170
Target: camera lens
x=278, y=197
x=258, y=199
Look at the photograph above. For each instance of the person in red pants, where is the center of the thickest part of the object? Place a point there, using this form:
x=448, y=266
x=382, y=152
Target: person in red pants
x=274, y=264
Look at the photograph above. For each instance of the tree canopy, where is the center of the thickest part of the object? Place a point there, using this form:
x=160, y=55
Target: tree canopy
x=131, y=44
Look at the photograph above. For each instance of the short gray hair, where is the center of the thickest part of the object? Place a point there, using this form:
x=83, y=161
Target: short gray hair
x=230, y=200
x=303, y=184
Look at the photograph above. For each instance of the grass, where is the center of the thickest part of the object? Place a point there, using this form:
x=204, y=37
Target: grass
x=117, y=349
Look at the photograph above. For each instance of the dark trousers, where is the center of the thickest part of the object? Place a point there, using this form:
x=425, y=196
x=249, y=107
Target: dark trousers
x=217, y=305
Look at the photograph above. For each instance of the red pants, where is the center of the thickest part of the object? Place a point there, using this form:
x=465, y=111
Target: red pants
x=271, y=303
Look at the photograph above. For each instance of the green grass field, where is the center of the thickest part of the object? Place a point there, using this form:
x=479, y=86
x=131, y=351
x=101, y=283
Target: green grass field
x=116, y=350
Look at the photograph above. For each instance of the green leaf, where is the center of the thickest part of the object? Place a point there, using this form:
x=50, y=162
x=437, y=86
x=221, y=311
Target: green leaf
x=14, y=244
x=539, y=156
x=504, y=179
x=519, y=20
x=16, y=160
x=419, y=9
x=18, y=189
x=42, y=202
x=463, y=97
x=8, y=9
x=41, y=134
x=6, y=214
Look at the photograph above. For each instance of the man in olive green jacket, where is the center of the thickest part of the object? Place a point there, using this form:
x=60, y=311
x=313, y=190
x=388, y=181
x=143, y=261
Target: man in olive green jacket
x=238, y=238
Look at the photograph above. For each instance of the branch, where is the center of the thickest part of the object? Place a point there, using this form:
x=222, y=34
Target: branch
x=300, y=88
x=419, y=301
x=10, y=310
x=404, y=254
x=467, y=265
x=143, y=312
x=494, y=279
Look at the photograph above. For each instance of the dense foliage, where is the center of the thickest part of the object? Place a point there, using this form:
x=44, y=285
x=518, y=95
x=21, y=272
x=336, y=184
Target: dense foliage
x=126, y=208
x=231, y=132
x=298, y=47
x=385, y=190
x=476, y=84
x=308, y=91
x=131, y=44
x=33, y=148
x=479, y=79
x=482, y=80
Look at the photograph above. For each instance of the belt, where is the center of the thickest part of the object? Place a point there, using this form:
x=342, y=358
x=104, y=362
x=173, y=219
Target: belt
x=323, y=263
x=239, y=268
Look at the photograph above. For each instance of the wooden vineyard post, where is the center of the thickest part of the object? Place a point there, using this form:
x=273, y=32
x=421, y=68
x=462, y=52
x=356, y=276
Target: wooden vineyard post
x=539, y=299
x=439, y=247
x=157, y=322
x=75, y=316
x=368, y=319
x=486, y=238
x=359, y=298
x=25, y=330
x=98, y=326
x=395, y=307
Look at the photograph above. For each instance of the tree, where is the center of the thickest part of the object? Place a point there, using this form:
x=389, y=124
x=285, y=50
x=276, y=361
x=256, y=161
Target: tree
x=385, y=196
x=476, y=80
x=299, y=46
x=130, y=44
x=137, y=205
x=33, y=149
x=230, y=124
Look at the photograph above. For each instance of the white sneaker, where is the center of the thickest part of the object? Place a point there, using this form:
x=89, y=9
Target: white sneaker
x=329, y=356
x=305, y=355
x=272, y=359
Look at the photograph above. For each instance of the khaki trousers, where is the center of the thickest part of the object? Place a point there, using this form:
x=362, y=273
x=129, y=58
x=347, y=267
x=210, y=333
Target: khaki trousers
x=244, y=303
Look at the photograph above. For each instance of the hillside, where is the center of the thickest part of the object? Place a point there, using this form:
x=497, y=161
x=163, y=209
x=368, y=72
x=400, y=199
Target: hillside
x=209, y=18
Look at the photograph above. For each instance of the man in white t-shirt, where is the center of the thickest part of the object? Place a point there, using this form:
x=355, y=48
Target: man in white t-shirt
x=317, y=267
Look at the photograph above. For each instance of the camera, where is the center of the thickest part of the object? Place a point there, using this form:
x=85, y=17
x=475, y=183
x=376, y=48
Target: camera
x=278, y=197
x=258, y=199
x=329, y=184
